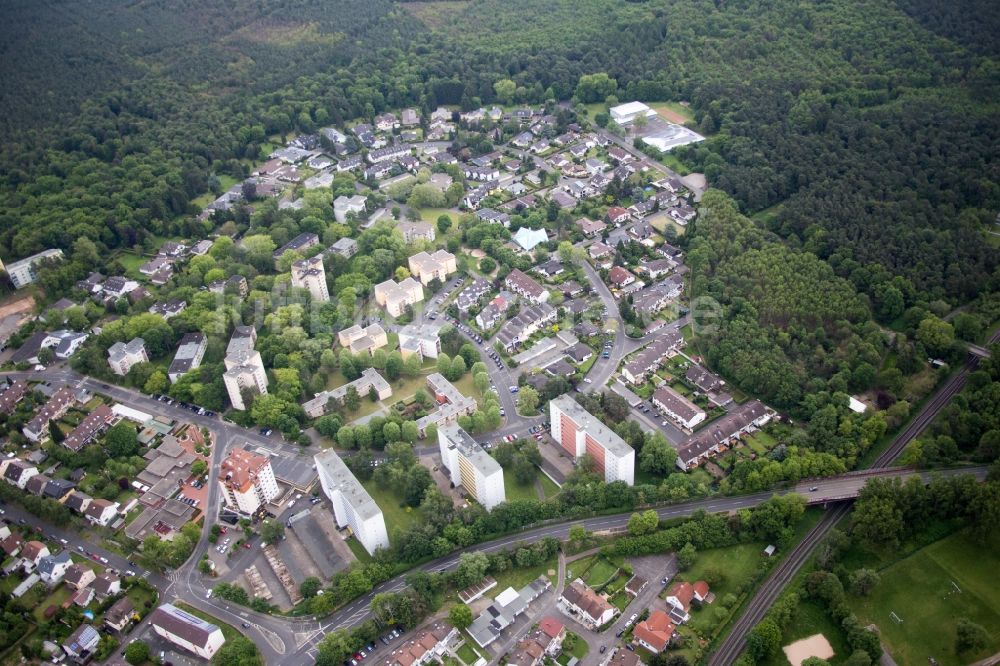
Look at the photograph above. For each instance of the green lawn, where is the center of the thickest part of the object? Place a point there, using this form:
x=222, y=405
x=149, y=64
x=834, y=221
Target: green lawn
x=396, y=516
x=225, y=183
x=358, y=550
x=58, y=596
x=549, y=486
x=600, y=572
x=515, y=491
x=467, y=654
x=675, y=107
x=131, y=263
x=229, y=632
x=733, y=567
x=518, y=577
x=466, y=386
x=671, y=161
x=921, y=590
x=578, y=647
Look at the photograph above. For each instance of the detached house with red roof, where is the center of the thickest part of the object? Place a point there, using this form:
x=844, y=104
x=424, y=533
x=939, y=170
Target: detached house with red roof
x=655, y=632
x=579, y=599
x=617, y=215
x=681, y=597
x=620, y=277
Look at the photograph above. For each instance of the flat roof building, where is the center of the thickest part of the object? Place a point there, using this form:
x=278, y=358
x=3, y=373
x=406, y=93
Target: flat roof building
x=309, y=274
x=420, y=339
x=247, y=481
x=24, y=272
x=189, y=354
x=122, y=356
x=429, y=267
x=397, y=296
x=369, y=379
x=471, y=467
x=359, y=339
x=624, y=114
x=352, y=505
x=452, y=403
x=579, y=432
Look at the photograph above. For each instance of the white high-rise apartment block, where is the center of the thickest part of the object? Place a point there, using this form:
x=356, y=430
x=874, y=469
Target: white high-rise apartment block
x=352, y=505
x=247, y=481
x=310, y=274
x=122, y=356
x=471, y=467
x=244, y=367
x=578, y=432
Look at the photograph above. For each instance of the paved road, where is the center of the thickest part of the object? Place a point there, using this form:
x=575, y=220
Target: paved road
x=733, y=644
x=290, y=641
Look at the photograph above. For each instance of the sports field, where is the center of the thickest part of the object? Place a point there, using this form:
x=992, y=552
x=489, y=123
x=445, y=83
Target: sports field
x=930, y=592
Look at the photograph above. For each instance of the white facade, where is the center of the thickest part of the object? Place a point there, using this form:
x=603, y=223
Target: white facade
x=421, y=339
x=22, y=273
x=396, y=296
x=627, y=113
x=471, y=467
x=352, y=505
x=187, y=631
x=244, y=371
x=244, y=367
x=343, y=205
x=309, y=274
x=579, y=432
x=122, y=356
x=247, y=481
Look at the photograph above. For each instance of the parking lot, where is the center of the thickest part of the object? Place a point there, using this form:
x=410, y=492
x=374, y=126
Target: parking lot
x=312, y=546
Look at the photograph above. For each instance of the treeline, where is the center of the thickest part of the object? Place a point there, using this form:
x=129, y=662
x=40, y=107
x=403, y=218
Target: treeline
x=968, y=428
x=423, y=595
x=774, y=519
x=888, y=513
x=886, y=171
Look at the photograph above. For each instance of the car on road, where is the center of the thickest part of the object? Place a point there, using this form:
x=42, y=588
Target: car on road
x=814, y=489
x=588, y=380
x=604, y=649
x=265, y=431
x=245, y=625
x=664, y=424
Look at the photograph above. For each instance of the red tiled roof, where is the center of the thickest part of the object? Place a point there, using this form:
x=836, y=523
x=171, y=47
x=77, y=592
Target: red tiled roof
x=550, y=626
x=656, y=630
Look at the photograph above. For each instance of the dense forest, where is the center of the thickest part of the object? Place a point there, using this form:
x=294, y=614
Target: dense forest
x=873, y=136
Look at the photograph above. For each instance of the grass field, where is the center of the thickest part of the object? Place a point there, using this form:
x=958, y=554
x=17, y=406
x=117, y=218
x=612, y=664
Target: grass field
x=225, y=183
x=600, y=572
x=674, y=112
x=515, y=491
x=467, y=654
x=549, y=486
x=228, y=631
x=396, y=516
x=518, y=577
x=732, y=567
x=920, y=590
x=670, y=160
